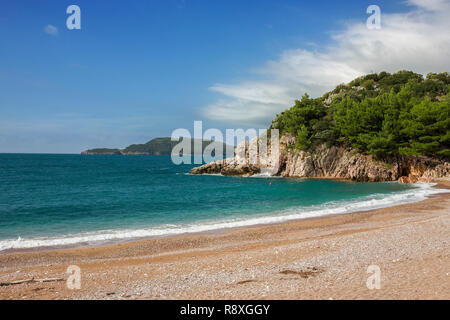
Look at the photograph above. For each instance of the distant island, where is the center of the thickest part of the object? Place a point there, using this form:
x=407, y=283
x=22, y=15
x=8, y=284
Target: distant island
x=157, y=146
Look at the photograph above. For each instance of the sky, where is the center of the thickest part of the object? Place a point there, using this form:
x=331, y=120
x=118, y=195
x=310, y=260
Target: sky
x=137, y=70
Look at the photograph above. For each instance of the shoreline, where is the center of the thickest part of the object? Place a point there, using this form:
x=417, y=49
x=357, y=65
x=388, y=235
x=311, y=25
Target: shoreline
x=213, y=230
x=315, y=258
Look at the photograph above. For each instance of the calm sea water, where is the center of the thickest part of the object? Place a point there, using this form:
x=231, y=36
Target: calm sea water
x=71, y=199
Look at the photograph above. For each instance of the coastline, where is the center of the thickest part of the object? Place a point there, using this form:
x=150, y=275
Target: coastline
x=109, y=237
x=314, y=258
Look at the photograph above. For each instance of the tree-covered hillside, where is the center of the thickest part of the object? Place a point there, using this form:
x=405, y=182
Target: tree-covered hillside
x=379, y=114
x=164, y=146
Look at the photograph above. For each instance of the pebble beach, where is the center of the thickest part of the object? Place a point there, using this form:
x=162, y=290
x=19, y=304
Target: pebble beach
x=318, y=258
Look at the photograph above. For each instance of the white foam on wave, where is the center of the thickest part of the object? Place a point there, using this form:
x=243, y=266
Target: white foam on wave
x=420, y=192
x=265, y=175
x=204, y=174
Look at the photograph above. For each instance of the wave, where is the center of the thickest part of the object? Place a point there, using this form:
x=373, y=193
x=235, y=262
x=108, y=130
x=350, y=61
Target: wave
x=267, y=175
x=420, y=192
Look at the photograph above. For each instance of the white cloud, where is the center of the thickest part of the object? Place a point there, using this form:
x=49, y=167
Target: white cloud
x=416, y=40
x=51, y=30
x=432, y=5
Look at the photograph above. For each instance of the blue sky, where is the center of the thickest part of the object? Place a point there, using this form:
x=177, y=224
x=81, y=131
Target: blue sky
x=140, y=69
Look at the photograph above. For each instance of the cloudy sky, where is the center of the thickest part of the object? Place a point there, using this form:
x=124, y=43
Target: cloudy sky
x=138, y=70
x=417, y=39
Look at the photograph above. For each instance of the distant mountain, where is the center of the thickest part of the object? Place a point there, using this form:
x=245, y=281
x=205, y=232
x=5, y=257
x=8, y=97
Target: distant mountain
x=157, y=146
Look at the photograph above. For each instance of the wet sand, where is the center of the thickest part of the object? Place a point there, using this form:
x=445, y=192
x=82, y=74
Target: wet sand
x=320, y=258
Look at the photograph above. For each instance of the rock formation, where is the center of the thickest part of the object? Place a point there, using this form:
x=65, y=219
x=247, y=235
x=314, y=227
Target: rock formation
x=333, y=162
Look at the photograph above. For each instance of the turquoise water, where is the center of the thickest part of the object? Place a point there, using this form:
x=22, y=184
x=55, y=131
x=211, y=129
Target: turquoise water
x=68, y=199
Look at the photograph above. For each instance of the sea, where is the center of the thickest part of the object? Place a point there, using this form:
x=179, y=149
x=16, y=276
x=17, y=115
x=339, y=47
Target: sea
x=54, y=200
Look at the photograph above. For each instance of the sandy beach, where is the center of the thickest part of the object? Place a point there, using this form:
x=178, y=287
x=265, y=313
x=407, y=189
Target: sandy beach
x=320, y=258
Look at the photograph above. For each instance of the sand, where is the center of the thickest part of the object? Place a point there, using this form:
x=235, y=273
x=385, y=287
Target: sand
x=320, y=258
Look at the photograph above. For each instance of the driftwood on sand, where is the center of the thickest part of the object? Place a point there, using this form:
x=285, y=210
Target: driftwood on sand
x=2, y=284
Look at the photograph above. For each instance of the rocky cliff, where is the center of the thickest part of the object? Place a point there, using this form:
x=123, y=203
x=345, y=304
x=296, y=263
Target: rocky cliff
x=333, y=162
